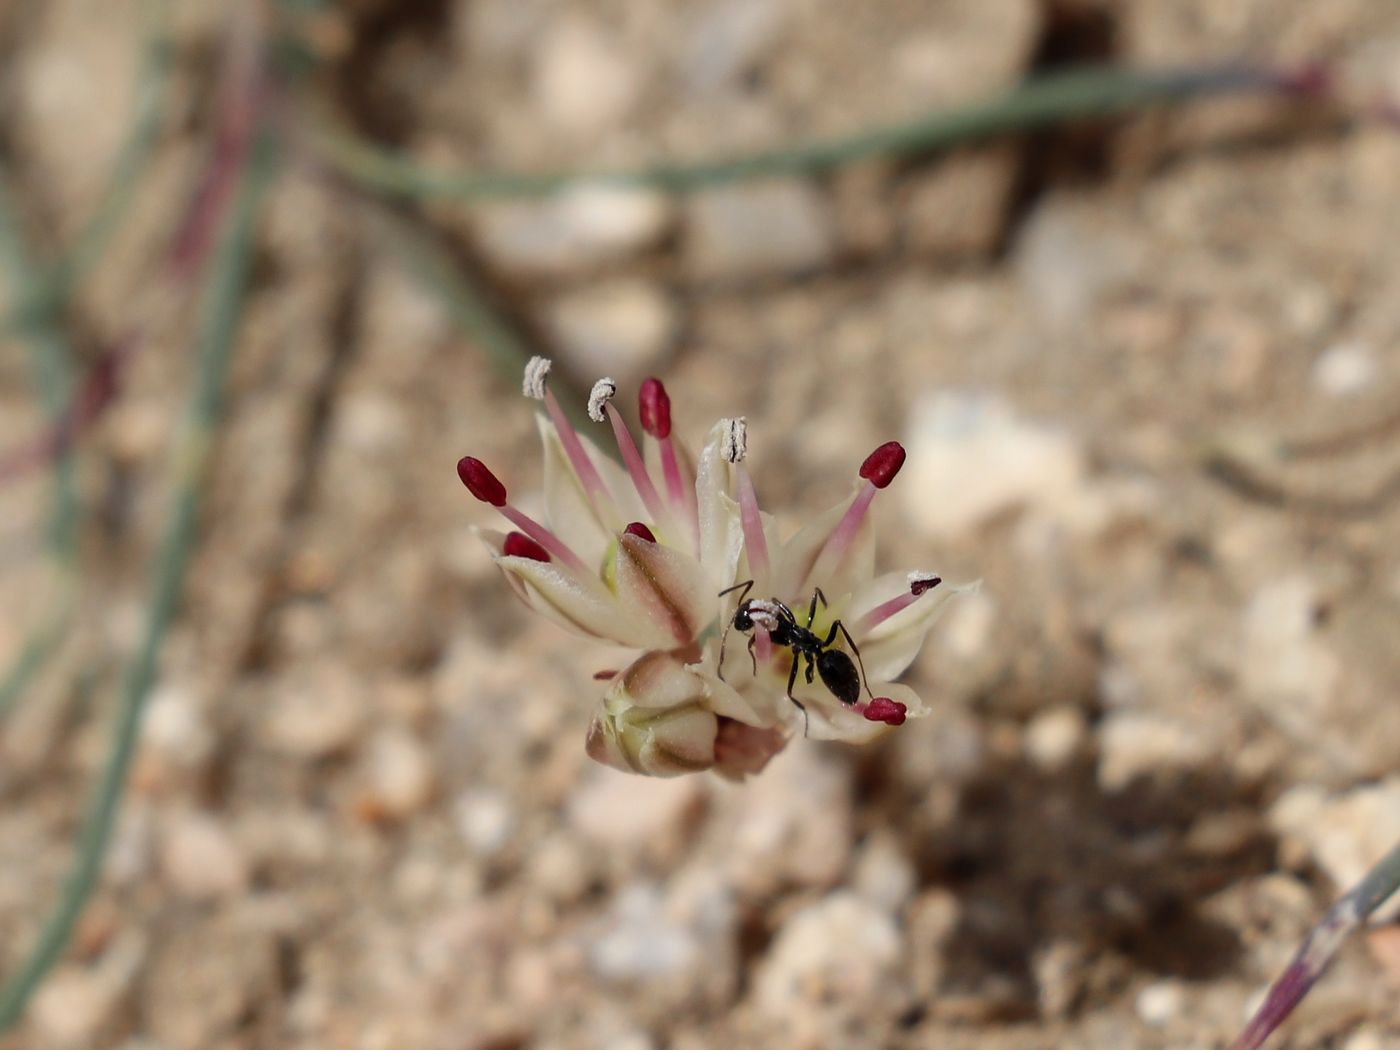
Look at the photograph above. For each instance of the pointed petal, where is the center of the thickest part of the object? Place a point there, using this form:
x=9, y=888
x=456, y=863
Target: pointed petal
x=830, y=720
x=581, y=606
x=891, y=646
x=800, y=554
x=721, y=536
x=654, y=721
x=569, y=512
x=742, y=697
x=664, y=587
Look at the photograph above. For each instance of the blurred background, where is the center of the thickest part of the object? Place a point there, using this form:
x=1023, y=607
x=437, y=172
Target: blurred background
x=283, y=764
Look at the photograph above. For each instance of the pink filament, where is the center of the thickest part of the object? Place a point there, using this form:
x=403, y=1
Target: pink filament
x=844, y=534
x=545, y=539
x=587, y=473
x=757, y=546
x=682, y=496
x=641, y=480
x=883, y=612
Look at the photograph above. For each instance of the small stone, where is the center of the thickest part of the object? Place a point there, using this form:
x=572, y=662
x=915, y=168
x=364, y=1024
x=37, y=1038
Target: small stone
x=1055, y=737
x=971, y=457
x=841, y=944
x=773, y=228
x=559, y=867
x=175, y=727
x=1345, y=370
x=398, y=774
x=1136, y=744
x=637, y=940
x=1284, y=665
x=725, y=41
x=314, y=714
x=1160, y=1003
x=576, y=230
x=486, y=819
x=957, y=208
x=1364, y=1039
x=584, y=82
x=883, y=874
x=610, y=811
x=1067, y=262
x=620, y=328
x=70, y=1007
x=200, y=858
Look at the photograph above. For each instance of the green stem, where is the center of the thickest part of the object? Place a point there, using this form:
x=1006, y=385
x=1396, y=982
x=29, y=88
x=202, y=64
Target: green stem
x=224, y=293
x=1045, y=100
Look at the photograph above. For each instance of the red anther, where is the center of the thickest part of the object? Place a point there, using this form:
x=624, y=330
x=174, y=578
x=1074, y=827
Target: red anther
x=518, y=545
x=655, y=409
x=641, y=531
x=924, y=583
x=883, y=464
x=883, y=709
x=480, y=482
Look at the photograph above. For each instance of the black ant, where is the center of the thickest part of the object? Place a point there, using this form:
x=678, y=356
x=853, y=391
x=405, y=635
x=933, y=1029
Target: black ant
x=837, y=671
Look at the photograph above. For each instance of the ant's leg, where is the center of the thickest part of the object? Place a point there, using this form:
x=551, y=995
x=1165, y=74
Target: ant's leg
x=724, y=637
x=817, y=595
x=792, y=677
x=811, y=666
x=753, y=659
x=839, y=626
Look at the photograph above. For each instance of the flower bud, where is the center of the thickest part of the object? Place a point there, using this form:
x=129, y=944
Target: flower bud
x=654, y=720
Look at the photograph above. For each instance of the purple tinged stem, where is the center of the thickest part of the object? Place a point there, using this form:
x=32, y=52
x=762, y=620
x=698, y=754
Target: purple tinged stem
x=546, y=539
x=843, y=535
x=883, y=612
x=588, y=475
x=641, y=480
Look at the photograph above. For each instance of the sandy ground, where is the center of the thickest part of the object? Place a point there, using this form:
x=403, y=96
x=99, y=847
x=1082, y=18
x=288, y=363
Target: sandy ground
x=1146, y=374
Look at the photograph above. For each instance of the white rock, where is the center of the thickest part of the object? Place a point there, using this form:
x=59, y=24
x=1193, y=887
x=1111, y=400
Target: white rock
x=620, y=328
x=201, y=859
x=1066, y=262
x=1141, y=744
x=971, y=457
x=610, y=810
x=1345, y=370
x=726, y=40
x=486, y=820
x=398, y=773
x=175, y=726
x=1283, y=664
x=757, y=229
x=840, y=944
x=584, y=82
x=314, y=714
x=1055, y=737
x=1160, y=1003
x=578, y=229
x=638, y=941
x=1344, y=834
x=883, y=873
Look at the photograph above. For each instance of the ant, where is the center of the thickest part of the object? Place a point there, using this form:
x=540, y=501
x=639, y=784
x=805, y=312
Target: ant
x=837, y=671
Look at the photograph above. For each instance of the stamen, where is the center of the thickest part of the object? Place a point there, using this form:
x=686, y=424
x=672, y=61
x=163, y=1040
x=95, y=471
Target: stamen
x=535, y=386
x=480, y=482
x=754, y=541
x=734, y=442
x=878, y=470
x=655, y=405
x=518, y=545
x=883, y=709
x=636, y=528
x=881, y=466
x=485, y=486
x=919, y=583
x=535, y=373
x=599, y=403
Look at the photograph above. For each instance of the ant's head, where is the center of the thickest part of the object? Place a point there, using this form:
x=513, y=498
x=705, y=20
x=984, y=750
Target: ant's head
x=742, y=620
x=758, y=612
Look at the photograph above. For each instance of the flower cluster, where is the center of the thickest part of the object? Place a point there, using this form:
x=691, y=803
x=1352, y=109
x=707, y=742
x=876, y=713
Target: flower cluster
x=746, y=639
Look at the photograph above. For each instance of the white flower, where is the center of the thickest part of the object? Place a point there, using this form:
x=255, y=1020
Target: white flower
x=670, y=555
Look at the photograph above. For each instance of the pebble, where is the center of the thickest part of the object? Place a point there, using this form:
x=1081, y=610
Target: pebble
x=486, y=820
x=175, y=727
x=1160, y=1003
x=75, y=1002
x=971, y=456
x=620, y=329
x=883, y=874
x=201, y=859
x=726, y=40
x=1283, y=664
x=1067, y=262
x=1345, y=370
x=398, y=774
x=637, y=940
x=1137, y=744
x=773, y=228
x=314, y=714
x=583, y=81
x=610, y=810
x=1055, y=737
x=841, y=945
x=576, y=230
x=1345, y=834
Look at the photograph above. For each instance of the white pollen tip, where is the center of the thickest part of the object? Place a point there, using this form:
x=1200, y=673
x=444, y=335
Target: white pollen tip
x=603, y=391
x=734, y=441
x=920, y=581
x=535, y=374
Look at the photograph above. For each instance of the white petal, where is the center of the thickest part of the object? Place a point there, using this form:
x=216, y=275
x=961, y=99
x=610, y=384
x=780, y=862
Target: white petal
x=583, y=607
x=666, y=588
x=891, y=646
x=721, y=535
x=834, y=721
x=570, y=514
x=800, y=554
